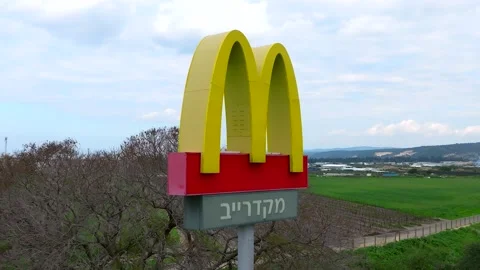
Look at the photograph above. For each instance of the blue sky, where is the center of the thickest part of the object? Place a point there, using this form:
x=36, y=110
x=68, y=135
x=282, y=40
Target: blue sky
x=371, y=72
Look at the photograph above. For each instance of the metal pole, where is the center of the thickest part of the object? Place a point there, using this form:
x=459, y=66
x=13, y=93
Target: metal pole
x=6, y=142
x=246, y=247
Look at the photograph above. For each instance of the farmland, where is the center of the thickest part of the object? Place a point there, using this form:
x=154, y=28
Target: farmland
x=342, y=221
x=447, y=198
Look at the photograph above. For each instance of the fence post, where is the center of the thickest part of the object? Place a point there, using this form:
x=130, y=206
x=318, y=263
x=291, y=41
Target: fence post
x=375, y=240
x=423, y=231
x=364, y=241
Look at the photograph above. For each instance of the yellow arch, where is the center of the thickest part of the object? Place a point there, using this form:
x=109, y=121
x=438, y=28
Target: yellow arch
x=261, y=95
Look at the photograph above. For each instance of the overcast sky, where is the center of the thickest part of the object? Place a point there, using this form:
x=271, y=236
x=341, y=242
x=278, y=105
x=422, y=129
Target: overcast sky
x=370, y=72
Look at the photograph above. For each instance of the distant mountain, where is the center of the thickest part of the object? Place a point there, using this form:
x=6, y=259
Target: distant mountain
x=355, y=148
x=459, y=151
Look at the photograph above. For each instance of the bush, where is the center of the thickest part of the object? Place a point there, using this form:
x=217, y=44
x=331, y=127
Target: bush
x=471, y=259
x=413, y=171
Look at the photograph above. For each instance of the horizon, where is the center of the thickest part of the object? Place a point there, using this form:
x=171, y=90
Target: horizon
x=373, y=73
x=324, y=149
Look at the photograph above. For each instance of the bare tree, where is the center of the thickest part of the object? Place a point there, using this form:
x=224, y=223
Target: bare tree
x=110, y=210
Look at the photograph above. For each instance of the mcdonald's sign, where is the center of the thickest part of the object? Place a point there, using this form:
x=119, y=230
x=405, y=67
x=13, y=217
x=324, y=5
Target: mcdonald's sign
x=262, y=109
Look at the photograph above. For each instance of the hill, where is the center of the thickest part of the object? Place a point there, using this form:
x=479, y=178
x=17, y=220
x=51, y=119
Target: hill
x=355, y=148
x=459, y=151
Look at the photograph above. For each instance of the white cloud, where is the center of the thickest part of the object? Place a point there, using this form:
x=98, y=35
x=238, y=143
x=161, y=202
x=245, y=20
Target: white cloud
x=338, y=132
x=352, y=78
x=414, y=127
x=167, y=113
x=470, y=130
x=89, y=22
x=408, y=126
x=151, y=115
x=179, y=18
x=370, y=25
x=52, y=8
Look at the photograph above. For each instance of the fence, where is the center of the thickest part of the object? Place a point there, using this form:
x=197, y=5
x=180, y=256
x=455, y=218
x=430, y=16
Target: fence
x=417, y=232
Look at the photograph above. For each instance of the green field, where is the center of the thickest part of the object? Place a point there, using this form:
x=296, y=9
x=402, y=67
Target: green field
x=430, y=197
x=445, y=250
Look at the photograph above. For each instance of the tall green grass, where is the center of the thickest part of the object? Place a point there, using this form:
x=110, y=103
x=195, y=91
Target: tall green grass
x=435, y=197
x=445, y=250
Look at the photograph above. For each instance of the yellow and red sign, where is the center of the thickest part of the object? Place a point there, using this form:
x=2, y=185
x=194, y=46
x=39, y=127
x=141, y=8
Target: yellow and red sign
x=262, y=108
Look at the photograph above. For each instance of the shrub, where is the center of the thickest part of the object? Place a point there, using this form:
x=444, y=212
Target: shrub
x=471, y=259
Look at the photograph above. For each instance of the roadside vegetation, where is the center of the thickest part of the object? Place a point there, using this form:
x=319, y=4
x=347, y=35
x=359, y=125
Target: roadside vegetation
x=454, y=249
x=448, y=198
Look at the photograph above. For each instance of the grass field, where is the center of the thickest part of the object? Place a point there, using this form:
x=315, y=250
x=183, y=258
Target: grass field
x=440, y=251
x=430, y=197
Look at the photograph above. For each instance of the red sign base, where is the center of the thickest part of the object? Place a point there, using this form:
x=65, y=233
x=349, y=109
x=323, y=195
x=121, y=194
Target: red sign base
x=236, y=174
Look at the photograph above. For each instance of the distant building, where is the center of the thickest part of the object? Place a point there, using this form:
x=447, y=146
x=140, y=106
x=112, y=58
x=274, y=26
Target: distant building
x=334, y=166
x=339, y=174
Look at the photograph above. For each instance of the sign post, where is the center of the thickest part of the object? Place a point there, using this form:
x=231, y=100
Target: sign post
x=246, y=186
x=246, y=247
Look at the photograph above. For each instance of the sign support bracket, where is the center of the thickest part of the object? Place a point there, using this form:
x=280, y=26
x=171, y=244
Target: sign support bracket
x=246, y=247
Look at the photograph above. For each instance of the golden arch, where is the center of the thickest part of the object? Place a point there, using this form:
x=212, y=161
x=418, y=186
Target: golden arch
x=261, y=102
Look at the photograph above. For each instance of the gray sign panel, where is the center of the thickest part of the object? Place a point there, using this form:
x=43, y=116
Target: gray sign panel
x=225, y=210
